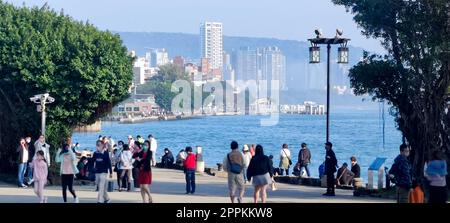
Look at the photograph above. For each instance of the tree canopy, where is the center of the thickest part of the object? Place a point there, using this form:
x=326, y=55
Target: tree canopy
x=414, y=76
x=86, y=70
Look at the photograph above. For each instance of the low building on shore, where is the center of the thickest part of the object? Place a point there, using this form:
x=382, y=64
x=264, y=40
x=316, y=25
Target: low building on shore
x=139, y=105
x=308, y=107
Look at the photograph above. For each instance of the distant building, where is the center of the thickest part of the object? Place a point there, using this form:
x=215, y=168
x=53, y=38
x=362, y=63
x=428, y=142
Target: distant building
x=227, y=70
x=261, y=64
x=139, y=67
x=159, y=57
x=211, y=43
x=138, y=105
x=247, y=67
x=192, y=70
x=273, y=66
x=204, y=66
x=178, y=61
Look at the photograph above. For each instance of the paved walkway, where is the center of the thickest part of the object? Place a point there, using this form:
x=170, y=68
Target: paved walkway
x=169, y=187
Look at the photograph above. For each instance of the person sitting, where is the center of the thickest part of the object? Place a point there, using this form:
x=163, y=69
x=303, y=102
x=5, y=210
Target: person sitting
x=356, y=170
x=82, y=168
x=345, y=176
x=181, y=157
x=277, y=170
x=297, y=170
x=167, y=159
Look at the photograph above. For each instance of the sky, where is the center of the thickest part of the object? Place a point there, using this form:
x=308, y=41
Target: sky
x=282, y=19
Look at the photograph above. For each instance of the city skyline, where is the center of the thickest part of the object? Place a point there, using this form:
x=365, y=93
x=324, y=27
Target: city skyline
x=286, y=20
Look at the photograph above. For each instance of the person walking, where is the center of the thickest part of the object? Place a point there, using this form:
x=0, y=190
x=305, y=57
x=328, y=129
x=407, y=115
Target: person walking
x=125, y=166
x=247, y=157
x=40, y=169
x=102, y=165
x=260, y=172
x=330, y=168
x=189, y=169
x=41, y=145
x=22, y=161
x=436, y=173
x=233, y=164
x=285, y=159
x=153, y=148
x=145, y=171
x=68, y=169
x=304, y=159
x=401, y=174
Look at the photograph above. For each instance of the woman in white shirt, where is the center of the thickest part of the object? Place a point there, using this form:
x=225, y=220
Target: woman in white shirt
x=247, y=157
x=285, y=159
x=126, y=165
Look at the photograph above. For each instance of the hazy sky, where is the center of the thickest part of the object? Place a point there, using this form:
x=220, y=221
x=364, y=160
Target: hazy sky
x=283, y=19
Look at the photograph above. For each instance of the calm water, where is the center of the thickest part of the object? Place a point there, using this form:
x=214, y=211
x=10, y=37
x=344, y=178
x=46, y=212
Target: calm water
x=356, y=133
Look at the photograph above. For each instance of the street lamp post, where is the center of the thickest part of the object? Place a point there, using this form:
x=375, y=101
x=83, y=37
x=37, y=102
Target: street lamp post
x=314, y=57
x=42, y=100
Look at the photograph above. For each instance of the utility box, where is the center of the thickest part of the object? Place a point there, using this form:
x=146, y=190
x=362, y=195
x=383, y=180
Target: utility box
x=377, y=166
x=200, y=163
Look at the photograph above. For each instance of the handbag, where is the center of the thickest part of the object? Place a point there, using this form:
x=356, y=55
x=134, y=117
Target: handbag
x=273, y=185
x=290, y=161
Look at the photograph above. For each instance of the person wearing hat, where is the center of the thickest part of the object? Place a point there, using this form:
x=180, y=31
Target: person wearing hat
x=330, y=168
x=247, y=158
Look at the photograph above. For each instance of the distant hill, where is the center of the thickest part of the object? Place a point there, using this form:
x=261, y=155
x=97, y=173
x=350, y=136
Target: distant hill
x=302, y=77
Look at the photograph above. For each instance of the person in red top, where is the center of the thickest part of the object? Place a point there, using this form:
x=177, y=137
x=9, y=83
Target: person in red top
x=189, y=169
x=145, y=171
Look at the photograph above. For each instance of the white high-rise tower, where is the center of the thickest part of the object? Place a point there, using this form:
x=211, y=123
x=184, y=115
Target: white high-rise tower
x=211, y=43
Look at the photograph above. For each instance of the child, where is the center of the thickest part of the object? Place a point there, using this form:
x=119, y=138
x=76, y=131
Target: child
x=40, y=170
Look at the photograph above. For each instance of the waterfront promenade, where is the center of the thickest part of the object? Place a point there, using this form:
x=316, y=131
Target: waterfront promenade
x=169, y=187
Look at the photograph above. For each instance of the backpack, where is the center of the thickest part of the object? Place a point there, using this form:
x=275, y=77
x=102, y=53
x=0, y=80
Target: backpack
x=234, y=167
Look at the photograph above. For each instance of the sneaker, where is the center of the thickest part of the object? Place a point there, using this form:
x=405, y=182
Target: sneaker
x=23, y=186
x=106, y=201
x=137, y=189
x=45, y=199
x=76, y=200
x=30, y=182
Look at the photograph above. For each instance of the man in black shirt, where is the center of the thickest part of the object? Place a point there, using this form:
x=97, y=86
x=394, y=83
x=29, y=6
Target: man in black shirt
x=355, y=168
x=330, y=168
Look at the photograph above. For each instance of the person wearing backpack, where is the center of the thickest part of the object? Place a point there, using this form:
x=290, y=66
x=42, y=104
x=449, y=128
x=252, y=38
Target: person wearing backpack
x=401, y=173
x=233, y=163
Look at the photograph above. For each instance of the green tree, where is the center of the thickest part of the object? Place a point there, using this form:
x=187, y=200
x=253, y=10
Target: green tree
x=86, y=70
x=414, y=76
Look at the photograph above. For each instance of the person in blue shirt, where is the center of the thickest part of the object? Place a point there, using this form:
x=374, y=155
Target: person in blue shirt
x=102, y=164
